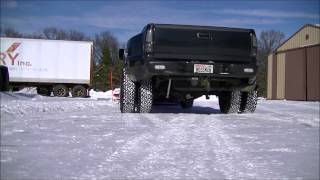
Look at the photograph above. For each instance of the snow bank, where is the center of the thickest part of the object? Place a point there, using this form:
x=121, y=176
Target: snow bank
x=100, y=95
x=28, y=102
x=28, y=90
x=35, y=105
x=93, y=94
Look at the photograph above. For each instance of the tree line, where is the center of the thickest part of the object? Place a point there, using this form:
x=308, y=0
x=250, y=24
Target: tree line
x=268, y=41
x=106, y=48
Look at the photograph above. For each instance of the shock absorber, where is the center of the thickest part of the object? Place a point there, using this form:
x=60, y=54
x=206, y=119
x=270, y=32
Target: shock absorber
x=168, y=89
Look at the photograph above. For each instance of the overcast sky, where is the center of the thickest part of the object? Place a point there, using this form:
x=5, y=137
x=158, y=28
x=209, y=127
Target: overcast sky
x=127, y=18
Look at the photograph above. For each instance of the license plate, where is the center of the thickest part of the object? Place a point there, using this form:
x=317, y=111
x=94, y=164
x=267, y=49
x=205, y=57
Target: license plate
x=203, y=68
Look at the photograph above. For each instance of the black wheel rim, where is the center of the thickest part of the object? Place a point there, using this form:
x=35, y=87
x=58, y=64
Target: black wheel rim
x=79, y=93
x=61, y=92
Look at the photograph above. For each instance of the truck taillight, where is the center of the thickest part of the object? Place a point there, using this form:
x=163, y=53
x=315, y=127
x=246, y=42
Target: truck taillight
x=253, y=44
x=148, y=47
x=253, y=40
x=148, y=44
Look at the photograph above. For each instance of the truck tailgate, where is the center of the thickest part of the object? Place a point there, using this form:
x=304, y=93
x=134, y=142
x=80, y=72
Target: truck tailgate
x=202, y=43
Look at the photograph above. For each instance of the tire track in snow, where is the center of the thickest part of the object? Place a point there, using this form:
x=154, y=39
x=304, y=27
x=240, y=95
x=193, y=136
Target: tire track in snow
x=180, y=152
x=289, y=117
x=213, y=153
x=186, y=147
x=206, y=151
x=301, y=104
x=231, y=159
x=118, y=165
x=163, y=153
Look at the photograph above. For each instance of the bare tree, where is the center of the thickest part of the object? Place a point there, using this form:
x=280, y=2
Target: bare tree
x=55, y=34
x=10, y=32
x=105, y=40
x=33, y=36
x=76, y=36
x=61, y=34
x=268, y=41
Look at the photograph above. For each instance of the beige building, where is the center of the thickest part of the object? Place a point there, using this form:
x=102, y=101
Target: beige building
x=294, y=67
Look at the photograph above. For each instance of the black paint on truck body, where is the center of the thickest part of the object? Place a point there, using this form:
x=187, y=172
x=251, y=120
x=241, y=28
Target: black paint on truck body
x=180, y=47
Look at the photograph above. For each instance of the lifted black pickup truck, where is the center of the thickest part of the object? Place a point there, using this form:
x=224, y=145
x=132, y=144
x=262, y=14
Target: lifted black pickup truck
x=179, y=63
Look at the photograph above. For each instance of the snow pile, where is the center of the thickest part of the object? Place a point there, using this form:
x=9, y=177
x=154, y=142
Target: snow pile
x=106, y=95
x=92, y=93
x=28, y=102
x=28, y=90
x=100, y=95
x=37, y=105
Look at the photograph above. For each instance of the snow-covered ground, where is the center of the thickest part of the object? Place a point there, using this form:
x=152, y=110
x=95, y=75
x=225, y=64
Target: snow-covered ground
x=88, y=138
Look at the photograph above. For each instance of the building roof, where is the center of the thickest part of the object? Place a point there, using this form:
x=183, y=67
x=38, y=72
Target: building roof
x=293, y=35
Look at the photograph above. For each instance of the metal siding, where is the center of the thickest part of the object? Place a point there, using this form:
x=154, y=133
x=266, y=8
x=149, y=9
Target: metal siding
x=274, y=77
x=280, y=75
x=299, y=40
x=295, y=73
x=269, y=80
x=313, y=73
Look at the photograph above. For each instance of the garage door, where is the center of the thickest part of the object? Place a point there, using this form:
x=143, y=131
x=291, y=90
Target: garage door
x=295, y=73
x=313, y=73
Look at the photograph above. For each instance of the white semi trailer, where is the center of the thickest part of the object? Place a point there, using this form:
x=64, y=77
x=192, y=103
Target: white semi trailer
x=53, y=66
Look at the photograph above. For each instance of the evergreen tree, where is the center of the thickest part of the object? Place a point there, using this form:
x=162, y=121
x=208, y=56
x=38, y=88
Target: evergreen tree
x=106, y=61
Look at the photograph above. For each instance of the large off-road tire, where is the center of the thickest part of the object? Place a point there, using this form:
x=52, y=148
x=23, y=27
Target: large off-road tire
x=4, y=78
x=79, y=91
x=248, y=101
x=229, y=101
x=144, y=104
x=186, y=104
x=44, y=91
x=127, y=93
x=60, y=90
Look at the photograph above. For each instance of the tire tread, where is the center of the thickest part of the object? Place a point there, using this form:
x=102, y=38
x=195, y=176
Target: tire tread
x=229, y=102
x=248, y=101
x=127, y=93
x=145, y=96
